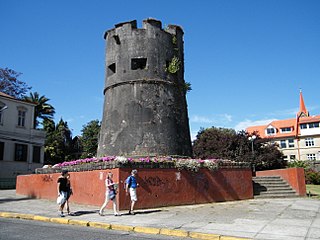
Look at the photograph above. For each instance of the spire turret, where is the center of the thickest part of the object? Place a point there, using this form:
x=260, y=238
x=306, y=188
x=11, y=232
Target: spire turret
x=303, y=112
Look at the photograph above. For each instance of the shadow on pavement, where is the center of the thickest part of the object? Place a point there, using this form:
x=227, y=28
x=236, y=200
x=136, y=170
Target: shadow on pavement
x=143, y=212
x=79, y=213
x=14, y=199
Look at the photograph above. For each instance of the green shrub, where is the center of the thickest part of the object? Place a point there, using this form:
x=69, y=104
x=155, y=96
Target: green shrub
x=312, y=177
x=298, y=163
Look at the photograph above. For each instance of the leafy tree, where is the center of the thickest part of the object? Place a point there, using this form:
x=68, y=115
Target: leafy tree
x=89, y=139
x=215, y=143
x=228, y=144
x=43, y=109
x=11, y=85
x=268, y=156
x=58, y=144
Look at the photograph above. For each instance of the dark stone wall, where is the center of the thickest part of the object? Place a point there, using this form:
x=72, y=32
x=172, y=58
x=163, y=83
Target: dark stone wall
x=145, y=108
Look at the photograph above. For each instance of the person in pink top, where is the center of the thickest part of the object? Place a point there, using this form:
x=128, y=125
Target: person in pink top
x=110, y=195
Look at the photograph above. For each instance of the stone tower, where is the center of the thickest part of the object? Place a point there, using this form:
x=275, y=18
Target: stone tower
x=145, y=108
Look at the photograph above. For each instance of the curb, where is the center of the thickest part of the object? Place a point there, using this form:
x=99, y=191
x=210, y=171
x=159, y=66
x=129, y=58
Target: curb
x=100, y=225
x=175, y=233
x=108, y=226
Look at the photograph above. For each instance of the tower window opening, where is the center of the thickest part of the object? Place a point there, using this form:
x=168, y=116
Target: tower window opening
x=117, y=39
x=111, y=69
x=138, y=63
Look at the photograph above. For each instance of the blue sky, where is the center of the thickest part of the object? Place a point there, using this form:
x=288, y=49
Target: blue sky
x=246, y=60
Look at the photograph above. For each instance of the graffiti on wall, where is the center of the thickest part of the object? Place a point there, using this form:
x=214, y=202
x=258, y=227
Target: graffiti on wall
x=47, y=178
x=155, y=181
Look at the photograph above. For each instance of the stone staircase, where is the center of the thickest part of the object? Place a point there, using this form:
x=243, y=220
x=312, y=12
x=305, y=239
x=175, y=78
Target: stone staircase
x=272, y=187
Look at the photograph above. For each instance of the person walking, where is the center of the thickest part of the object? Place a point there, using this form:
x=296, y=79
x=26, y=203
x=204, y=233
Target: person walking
x=110, y=195
x=62, y=191
x=69, y=193
x=131, y=187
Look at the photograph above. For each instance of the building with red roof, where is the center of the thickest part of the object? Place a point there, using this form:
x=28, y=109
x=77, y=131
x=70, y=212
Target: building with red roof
x=298, y=138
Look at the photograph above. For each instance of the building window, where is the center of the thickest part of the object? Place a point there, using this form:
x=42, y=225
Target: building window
x=283, y=144
x=313, y=125
x=309, y=142
x=36, y=154
x=21, y=152
x=271, y=131
x=285, y=130
x=1, y=150
x=292, y=157
x=291, y=143
x=303, y=126
x=138, y=63
x=311, y=156
x=21, y=118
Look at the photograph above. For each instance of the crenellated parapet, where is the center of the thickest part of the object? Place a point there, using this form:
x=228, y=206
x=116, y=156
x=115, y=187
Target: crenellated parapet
x=148, y=24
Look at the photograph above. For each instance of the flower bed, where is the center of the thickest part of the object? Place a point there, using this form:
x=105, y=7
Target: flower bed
x=90, y=164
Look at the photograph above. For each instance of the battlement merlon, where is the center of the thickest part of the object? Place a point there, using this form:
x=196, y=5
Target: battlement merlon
x=147, y=23
x=129, y=24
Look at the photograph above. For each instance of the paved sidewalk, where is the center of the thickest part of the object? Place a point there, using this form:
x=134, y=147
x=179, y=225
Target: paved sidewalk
x=291, y=218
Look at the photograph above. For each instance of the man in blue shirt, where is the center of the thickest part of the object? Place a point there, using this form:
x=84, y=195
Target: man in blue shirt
x=131, y=186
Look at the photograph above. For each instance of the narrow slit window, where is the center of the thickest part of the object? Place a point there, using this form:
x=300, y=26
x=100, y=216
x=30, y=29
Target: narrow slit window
x=111, y=69
x=138, y=63
x=117, y=39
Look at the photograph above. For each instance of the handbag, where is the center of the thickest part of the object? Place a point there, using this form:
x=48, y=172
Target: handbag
x=61, y=198
x=112, y=194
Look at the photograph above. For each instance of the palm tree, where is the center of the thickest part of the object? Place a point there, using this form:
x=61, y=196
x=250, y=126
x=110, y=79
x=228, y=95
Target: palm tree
x=43, y=110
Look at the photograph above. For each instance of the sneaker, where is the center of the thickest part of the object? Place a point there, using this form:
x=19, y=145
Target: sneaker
x=101, y=214
x=117, y=214
x=61, y=214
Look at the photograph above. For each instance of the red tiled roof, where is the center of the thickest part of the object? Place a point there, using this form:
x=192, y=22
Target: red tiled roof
x=310, y=119
x=278, y=124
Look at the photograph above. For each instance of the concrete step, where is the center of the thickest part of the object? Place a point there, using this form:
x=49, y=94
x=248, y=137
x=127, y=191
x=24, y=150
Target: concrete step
x=276, y=196
x=275, y=184
x=278, y=191
x=272, y=187
x=266, y=177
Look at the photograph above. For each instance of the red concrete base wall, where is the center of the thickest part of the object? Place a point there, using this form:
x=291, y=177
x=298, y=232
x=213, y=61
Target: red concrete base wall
x=158, y=187
x=294, y=176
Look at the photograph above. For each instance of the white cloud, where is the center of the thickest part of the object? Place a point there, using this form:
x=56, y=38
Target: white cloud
x=217, y=119
x=227, y=117
x=247, y=123
x=201, y=119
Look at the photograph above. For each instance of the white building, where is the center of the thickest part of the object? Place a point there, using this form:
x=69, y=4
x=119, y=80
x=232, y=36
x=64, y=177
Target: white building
x=298, y=138
x=21, y=145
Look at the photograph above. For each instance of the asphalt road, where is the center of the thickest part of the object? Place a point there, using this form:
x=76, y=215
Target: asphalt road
x=17, y=229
